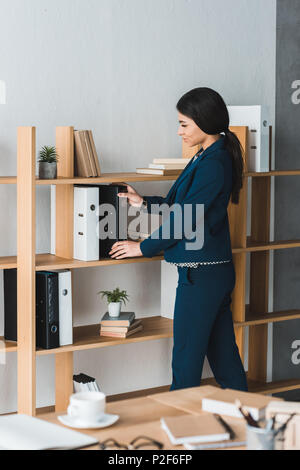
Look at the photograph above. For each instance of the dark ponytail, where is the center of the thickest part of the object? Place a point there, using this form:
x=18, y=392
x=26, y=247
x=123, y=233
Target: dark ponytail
x=209, y=111
x=234, y=148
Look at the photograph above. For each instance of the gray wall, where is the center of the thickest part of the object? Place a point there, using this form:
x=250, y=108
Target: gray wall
x=287, y=226
x=119, y=67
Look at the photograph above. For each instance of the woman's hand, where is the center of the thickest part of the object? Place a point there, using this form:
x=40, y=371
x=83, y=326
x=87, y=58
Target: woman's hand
x=125, y=249
x=134, y=199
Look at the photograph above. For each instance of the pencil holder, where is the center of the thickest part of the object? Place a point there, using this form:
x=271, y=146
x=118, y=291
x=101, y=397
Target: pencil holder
x=260, y=439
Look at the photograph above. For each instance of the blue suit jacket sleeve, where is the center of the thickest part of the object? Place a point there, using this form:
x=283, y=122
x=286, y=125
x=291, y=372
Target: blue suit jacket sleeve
x=153, y=200
x=206, y=183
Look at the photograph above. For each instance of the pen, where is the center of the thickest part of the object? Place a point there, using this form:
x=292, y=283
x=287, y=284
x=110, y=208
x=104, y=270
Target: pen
x=247, y=416
x=283, y=427
x=226, y=426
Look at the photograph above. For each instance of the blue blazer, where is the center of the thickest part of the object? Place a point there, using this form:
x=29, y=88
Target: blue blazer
x=208, y=181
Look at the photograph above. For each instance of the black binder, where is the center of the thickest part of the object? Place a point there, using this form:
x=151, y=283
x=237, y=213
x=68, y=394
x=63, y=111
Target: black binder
x=108, y=194
x=47, y=308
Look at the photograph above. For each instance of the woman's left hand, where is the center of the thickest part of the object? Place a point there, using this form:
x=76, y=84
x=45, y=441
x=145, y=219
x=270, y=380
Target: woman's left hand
x=125, y=249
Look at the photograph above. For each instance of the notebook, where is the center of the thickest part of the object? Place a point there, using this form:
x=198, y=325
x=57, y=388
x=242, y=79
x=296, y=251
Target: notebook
x=239, y=428
x=223, y=403
x=21, y=432
x=190, y=428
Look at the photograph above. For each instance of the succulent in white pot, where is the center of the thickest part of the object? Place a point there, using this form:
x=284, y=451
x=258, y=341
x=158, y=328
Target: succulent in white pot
x=47, y=163
x=114, y=300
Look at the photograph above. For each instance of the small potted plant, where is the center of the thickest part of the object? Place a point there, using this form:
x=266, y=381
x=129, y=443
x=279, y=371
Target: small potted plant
x=48, y=163
x=114, y=299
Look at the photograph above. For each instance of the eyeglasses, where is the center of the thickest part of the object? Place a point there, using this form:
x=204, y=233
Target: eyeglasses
x=133, y=445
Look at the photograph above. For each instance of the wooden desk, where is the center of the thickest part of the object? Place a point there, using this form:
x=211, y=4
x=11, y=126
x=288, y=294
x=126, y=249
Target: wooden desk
x=138, y=416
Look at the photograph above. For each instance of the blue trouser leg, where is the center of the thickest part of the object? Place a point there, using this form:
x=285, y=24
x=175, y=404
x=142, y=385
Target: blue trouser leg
x=203, y=326
x=223, y=351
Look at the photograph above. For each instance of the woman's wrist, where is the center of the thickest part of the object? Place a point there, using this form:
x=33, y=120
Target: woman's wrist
x=143, y=203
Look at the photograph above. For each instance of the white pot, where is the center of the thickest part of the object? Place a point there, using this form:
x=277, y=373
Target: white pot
x=114, y=309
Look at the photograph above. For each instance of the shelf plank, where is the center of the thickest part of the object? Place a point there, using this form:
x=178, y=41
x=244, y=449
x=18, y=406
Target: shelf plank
x=7, y=346
x=263, y=388
x=269, y=317
x=109, y=178
x=273, y=387
x=135, y=177
x=8, y=180
x=272, y=173
x=46, y=262
x=8, y=262
x=267, y=246
x=88, y=337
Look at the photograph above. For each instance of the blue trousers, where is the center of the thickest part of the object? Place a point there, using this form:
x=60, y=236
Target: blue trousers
x=203, y=326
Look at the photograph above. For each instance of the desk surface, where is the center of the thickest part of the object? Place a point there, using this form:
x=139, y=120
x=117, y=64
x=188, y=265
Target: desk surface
x=138, y=416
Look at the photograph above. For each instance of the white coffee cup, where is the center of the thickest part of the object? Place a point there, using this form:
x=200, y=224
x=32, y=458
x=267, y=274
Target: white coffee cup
x=87, y=406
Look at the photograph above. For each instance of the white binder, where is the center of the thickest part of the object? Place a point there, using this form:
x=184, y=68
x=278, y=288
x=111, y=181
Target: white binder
x=257, y=120
x=53, y=219
x=86, y=240
x=65, y=306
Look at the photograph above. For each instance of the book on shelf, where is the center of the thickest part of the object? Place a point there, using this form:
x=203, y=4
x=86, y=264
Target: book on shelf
x=194, y=428
x=121, y=331
x=86, y=158
x=89, y=152
x=156, y=171
x=85, y=383
x=223, y=402
x=168, y=166
x=124, y=319
x=162, y=161
x=94, y=151
x=116, y=334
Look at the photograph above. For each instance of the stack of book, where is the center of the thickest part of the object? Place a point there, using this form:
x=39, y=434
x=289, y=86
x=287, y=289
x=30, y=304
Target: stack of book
x=120, y=327
x=165, y=166
x=86, y=158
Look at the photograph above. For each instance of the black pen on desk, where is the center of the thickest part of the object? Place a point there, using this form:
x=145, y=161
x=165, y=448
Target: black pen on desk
x=283, y=427
x=247, y=416
x=226, y=426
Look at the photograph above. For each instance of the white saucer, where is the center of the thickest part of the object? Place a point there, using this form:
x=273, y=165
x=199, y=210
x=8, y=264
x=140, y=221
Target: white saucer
x=106, y=420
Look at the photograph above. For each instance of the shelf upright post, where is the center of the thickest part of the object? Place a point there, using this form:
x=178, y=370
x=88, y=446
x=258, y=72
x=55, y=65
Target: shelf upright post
x=26, y=237
x=259, y=277
x=237, y=214
x=64, y=249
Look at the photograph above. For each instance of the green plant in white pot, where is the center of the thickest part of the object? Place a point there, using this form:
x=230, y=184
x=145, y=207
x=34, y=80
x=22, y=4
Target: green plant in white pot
x=48, y=159
x=114, y=300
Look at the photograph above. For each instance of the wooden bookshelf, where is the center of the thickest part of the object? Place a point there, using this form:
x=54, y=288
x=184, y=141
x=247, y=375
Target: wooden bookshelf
x=87, y=337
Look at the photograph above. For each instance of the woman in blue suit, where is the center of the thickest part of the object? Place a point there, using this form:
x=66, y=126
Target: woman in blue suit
x=203, y=323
